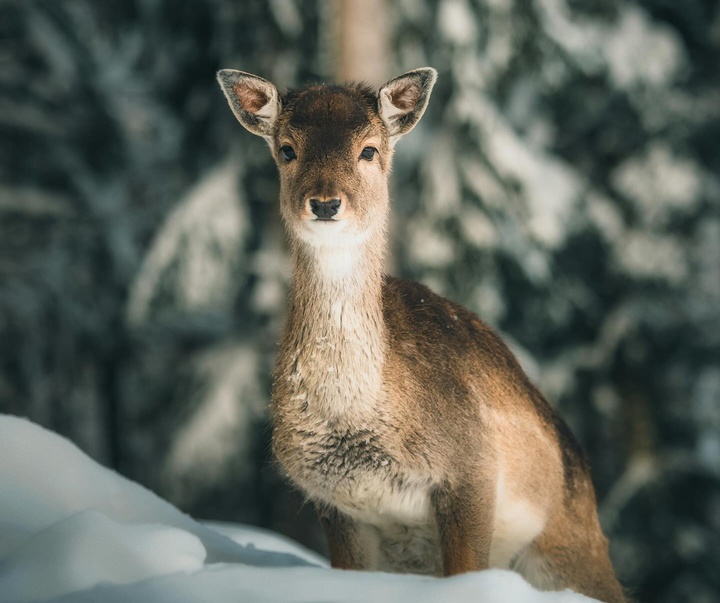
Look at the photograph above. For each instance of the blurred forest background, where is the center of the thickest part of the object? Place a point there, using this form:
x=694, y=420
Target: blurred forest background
x=563, y=184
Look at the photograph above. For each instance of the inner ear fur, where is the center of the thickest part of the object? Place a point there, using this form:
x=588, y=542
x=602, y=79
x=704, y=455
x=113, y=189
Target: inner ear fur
x=403, y=100
x=254, y=101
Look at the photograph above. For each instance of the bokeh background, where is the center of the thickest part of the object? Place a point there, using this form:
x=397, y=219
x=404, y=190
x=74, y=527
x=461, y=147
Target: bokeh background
x=563, y=184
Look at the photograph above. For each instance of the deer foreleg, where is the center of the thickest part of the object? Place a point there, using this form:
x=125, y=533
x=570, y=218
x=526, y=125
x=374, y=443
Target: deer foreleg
x=350, y=544
x=464, y=515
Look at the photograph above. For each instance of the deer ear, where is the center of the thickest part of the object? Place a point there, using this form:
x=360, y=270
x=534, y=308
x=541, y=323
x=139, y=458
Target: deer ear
x=254, y=101
x=402, y=101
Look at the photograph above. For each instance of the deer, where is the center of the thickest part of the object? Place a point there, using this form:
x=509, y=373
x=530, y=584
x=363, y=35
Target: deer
x=405, y=420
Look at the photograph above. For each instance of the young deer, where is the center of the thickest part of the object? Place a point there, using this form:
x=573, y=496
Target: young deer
x=401, y=415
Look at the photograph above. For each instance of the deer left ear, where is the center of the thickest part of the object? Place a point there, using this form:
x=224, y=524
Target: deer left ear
x=254, y=101
x=402, y=101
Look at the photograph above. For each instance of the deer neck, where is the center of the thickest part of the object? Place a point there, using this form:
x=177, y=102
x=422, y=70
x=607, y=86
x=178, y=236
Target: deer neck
x=335, y=333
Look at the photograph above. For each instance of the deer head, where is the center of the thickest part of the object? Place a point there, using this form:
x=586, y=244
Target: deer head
x=333, y=147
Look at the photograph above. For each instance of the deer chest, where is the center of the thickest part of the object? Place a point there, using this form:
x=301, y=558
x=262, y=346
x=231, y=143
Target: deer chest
x=355, y=471
x=334, y=434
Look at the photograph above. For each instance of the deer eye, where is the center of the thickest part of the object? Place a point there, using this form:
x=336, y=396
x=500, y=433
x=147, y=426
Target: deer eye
x=288, y=153
x=368, y=153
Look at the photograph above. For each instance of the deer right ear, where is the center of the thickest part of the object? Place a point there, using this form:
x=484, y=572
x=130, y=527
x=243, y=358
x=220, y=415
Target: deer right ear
x=402, y=101
x=254, y=101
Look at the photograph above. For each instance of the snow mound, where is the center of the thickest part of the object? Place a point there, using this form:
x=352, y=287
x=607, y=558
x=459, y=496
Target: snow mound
x=89, y=548
x=73, y=531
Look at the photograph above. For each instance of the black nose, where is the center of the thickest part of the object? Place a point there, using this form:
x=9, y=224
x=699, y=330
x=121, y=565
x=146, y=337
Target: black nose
x=324, y=210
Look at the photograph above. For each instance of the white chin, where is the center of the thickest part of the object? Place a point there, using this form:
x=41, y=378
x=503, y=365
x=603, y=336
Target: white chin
x=329, y=233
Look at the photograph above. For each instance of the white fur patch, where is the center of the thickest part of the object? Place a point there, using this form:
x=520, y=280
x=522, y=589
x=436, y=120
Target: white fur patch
x=517, y=524
x=389, y=112
x=371, y=498
x=332, y=233
x=269, y=111
x=337, y=264
x=337, y=313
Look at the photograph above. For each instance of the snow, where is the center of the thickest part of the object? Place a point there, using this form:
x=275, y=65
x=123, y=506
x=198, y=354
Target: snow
x=267, y=540
x=659, y=182
x=429, y=246
x=73, y=531
x=634, y=50
x=653, y=256
x=88, y=548
x=550, y=188
x=196, y=254
x=219, y=430
x=477, y=228
x=456, y=22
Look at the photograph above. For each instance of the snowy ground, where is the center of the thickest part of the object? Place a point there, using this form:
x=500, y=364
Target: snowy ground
x=71, y=530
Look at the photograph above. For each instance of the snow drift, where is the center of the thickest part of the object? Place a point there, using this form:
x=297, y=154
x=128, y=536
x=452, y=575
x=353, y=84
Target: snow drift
x=73, y=531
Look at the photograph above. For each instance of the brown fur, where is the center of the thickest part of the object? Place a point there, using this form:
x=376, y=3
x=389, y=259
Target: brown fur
x=251, y=99
x=401, y=415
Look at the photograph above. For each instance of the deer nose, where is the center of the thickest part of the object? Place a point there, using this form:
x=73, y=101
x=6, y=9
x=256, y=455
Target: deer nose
x=324, y=210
